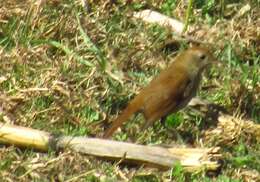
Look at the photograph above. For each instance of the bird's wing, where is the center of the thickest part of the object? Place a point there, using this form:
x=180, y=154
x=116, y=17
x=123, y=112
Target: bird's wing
x=166, y=98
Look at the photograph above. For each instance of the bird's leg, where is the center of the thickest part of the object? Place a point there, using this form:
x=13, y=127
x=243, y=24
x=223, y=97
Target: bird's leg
x=163, y=121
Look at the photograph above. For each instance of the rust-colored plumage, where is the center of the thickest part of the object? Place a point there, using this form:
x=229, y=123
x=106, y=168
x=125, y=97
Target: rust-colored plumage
x=170, y=91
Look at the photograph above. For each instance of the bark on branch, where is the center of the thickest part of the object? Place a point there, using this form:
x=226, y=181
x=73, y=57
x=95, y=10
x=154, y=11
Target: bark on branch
x=191, y=159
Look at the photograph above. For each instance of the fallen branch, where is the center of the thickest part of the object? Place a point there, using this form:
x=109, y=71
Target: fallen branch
x=25, y=137
x=176, y=26
x=191, y=159
x=160, y=19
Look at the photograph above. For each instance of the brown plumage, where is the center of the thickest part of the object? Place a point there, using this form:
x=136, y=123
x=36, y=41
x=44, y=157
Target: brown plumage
x=170, y=91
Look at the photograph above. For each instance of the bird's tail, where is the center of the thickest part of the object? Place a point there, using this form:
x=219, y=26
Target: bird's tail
x=124, y=116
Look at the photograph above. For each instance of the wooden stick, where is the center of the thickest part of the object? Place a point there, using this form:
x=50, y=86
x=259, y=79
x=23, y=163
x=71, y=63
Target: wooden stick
x=158, y=18
x=24, y=137
x=191, y=159
x=176, y=26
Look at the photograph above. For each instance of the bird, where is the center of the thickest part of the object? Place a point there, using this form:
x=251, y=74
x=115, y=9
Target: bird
x=170, y=91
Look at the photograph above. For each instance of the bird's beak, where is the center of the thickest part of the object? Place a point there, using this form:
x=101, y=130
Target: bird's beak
x=216, y=62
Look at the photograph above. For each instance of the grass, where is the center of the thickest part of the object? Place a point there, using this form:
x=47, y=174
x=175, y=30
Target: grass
x=87, y=66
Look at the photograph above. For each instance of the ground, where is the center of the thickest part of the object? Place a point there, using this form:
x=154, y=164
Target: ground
x=69, y=67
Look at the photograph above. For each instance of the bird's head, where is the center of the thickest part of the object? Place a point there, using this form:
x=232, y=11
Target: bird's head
x=196, y=59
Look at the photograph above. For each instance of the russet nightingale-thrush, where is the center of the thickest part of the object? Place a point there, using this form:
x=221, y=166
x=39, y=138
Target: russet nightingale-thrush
x=170, y=91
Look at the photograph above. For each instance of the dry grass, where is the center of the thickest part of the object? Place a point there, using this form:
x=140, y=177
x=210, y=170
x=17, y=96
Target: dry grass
x=69, y=76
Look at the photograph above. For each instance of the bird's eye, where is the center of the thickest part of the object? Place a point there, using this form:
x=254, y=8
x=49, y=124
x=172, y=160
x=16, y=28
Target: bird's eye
x=202, y=56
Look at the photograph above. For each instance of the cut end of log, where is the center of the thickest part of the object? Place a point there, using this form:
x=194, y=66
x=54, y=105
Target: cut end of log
x=198, y=159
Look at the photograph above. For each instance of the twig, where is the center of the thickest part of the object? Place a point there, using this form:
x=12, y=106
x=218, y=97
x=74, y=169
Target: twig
x=81, y=175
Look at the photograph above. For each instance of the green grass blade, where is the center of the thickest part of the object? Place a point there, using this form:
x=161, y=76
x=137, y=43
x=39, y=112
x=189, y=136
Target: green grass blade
x=92, y=47
x=66, y=50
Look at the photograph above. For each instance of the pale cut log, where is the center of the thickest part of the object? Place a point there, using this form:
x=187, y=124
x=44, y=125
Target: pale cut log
x=160, y=19
x=24, y=137
x=176, y=26
x=191, y=159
